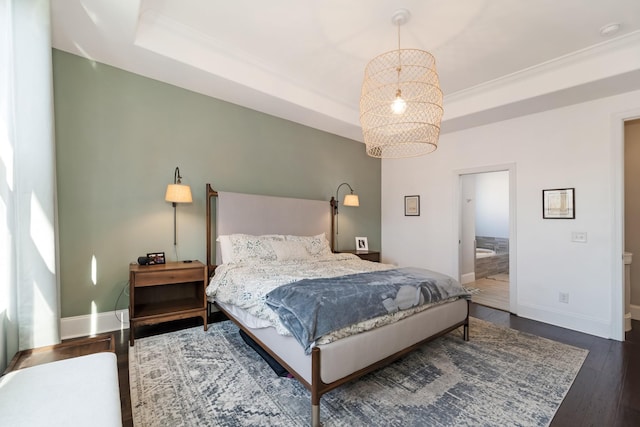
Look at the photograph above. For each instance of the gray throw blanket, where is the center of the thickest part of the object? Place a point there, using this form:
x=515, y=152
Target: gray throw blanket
x=311, y=308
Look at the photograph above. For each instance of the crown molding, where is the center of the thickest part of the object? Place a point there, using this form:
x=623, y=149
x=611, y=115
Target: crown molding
x=578, y=71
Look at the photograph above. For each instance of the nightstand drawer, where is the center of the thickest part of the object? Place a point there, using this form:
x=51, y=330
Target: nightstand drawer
x=167, y=277
x=373, y=256
x=369, y=256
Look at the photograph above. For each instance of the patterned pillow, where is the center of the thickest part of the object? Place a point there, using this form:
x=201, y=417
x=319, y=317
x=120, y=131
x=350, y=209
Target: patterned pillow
x=247, y=248
x=289, y=250
x=317, y=246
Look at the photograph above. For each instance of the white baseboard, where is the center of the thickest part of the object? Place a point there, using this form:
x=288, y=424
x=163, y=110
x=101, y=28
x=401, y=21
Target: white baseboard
x=80, y=326
x=635, y=312
x=573, y=321
x=467, y=278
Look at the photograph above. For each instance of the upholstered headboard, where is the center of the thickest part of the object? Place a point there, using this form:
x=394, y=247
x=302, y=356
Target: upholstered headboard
x=257, y=215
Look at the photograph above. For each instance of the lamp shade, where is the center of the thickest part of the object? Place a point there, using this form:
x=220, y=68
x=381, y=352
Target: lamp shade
x=351, y=200
x=395, y=127
x=401, y=101
x=178, y=193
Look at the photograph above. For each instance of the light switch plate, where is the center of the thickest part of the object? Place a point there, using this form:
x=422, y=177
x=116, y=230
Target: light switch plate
x=579, y=236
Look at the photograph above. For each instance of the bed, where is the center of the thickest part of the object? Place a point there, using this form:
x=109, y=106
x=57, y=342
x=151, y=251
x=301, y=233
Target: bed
x=332, y=359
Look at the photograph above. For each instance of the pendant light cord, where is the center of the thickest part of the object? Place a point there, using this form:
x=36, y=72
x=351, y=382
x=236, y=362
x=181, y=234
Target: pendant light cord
x=399, y=57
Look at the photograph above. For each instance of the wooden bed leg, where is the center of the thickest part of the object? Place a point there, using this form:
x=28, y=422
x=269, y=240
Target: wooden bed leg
x=315, y=415
x=315, y=387
x=465, y=328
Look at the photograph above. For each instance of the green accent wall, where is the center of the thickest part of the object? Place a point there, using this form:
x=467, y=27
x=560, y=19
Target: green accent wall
x=119, y=137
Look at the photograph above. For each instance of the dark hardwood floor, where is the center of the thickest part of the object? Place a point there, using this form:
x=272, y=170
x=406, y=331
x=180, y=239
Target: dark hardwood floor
x=606, y=391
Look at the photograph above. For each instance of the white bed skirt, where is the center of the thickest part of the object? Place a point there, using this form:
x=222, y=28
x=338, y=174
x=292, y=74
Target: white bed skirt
x=347, y=355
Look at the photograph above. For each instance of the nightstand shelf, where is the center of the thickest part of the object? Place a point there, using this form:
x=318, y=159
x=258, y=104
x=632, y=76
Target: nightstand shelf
x=167, y=307
x=165, y=292
x=373, y=256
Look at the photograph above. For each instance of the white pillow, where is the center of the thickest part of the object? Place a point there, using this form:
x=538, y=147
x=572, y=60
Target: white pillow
x=289, y=250
x=226, y=249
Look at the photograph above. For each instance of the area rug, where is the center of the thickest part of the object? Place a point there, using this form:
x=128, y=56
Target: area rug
x=500, y=377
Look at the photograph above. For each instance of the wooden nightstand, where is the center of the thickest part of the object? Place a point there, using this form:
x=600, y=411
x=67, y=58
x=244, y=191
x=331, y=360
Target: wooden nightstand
x=366, y=255
x=163, y=292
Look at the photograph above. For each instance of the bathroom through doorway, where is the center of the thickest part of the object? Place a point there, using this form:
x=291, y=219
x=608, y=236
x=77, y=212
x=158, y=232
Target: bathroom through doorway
x=485, y=237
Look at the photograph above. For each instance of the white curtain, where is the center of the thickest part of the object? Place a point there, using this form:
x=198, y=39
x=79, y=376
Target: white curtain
x=29, y=302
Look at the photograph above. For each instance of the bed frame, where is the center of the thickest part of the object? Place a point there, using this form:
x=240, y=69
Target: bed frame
x=331, y=365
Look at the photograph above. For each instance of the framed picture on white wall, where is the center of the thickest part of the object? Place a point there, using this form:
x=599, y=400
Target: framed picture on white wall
x=411, y=205
x=558, y=203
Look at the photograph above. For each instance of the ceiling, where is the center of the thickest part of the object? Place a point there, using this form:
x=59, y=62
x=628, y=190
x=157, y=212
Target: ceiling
x=303, y=60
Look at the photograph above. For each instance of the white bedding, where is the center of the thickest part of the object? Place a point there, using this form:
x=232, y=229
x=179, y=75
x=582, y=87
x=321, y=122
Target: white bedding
x=245, y=284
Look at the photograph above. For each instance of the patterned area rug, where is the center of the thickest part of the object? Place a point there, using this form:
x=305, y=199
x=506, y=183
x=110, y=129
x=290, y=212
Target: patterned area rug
x=500, y=377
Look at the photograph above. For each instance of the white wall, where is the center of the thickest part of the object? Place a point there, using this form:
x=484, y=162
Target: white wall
x=492, y=204
x=567, y=147
x=28, y=269
x=467, y=228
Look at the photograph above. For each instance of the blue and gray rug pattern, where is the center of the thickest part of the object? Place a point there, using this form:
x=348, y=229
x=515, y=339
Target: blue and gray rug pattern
x=500, y=377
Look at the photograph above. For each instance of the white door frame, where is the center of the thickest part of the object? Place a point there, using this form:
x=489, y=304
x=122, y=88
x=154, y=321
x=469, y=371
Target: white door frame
x=617, y=271
x=511, y=168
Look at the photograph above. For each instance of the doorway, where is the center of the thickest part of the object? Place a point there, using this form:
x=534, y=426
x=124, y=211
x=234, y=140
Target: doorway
x=486, y=256
x=618, y=290
x=631, y=229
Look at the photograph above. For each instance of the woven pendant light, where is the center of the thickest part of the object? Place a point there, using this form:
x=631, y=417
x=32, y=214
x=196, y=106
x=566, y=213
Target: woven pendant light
x=401, y=101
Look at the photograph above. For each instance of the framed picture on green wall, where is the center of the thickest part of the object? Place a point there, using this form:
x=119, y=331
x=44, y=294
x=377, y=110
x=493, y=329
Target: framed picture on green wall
x=362, y=244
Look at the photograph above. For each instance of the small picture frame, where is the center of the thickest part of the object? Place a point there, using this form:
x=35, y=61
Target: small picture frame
x=559, y=203
x=411, y=205
x=156, y=258
x=362, y=244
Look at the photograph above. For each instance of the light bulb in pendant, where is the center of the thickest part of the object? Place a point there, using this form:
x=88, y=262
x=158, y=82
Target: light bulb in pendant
x=399, y=105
